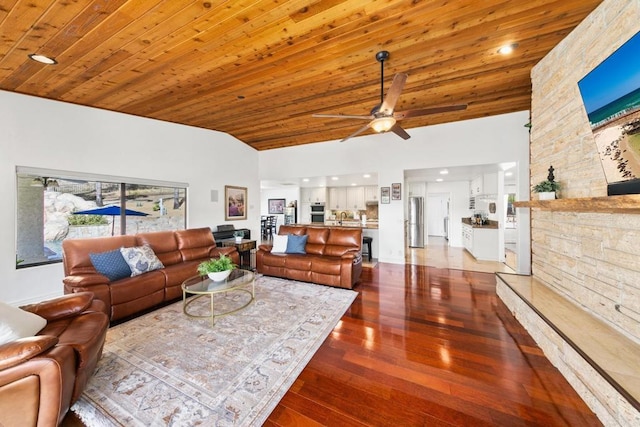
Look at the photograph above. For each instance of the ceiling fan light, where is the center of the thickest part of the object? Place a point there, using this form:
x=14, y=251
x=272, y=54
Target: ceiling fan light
x=383, y=124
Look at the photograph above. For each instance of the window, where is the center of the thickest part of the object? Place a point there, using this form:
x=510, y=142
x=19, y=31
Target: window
x=57, y=205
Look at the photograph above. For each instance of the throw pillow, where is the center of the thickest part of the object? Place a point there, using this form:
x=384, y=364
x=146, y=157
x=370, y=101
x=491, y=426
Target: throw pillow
x=279, y=244
x=16, y=323
x=296, y=244
x=111, y=264
x=141, y=259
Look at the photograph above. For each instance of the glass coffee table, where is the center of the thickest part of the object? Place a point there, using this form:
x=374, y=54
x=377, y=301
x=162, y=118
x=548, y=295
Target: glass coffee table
x=238, y=281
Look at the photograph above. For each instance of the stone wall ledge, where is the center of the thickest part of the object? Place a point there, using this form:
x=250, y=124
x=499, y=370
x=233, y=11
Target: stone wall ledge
x=600, y=363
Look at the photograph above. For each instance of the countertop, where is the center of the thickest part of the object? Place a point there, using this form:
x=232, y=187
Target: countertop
x=489, y=225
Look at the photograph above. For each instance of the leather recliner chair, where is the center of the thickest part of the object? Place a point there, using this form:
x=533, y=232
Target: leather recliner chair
x=42, y=376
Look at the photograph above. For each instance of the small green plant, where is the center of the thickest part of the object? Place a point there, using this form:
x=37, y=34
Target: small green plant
x=87, y=220
x=215, y=265
x=238, y=233
x=546, y=187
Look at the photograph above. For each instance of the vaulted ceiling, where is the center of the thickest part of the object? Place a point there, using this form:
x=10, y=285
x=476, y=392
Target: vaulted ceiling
x=259, y=69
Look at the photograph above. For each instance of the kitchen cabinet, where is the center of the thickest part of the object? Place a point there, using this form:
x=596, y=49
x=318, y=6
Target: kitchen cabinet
x=482, y=243
x=355, y=198
x=305, y=213
x=371, y=193
x=476, y=186
x=313, y=195
x=338, y=198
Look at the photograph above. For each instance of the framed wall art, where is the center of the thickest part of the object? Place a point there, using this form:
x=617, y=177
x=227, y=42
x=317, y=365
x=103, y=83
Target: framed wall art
x=385, y=195
x=276, y=206
x=235, y=202
x=396, y=193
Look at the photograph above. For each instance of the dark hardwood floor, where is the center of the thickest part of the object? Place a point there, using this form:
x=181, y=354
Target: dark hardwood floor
x=423, y=346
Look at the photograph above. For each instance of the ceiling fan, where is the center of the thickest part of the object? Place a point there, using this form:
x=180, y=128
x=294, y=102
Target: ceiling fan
x=382, y=117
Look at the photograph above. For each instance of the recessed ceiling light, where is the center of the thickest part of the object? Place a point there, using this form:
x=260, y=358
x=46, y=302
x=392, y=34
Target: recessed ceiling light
x=508, y=173
x=507, y=48
x=366, y=175
x=439, y=180
x=334, y=178
x=305, y=179
x=42, y=59
x=353, y=184
x=444, y=172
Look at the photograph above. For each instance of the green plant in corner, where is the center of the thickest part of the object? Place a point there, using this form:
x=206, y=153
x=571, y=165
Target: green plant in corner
x=213, y=265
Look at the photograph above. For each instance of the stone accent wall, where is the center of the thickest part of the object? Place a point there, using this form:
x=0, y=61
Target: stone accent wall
x=592, y=259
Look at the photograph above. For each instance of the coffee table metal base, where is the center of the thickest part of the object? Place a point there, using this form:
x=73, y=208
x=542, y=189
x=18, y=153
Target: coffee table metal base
x=212, y=314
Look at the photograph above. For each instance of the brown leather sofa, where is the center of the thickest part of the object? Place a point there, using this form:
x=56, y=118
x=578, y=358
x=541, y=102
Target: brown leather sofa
x=179, y=251
x=333, y=256
x=42, y=376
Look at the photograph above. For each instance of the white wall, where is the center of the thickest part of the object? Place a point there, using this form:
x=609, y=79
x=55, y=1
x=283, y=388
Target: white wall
x=487, y=140
x=55, y=135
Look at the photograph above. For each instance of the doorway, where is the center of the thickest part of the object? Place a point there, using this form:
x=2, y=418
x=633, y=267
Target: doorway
x=437, y=214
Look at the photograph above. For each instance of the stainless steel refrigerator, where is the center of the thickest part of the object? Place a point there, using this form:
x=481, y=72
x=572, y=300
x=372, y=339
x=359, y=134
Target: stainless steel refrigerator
x=416, y=222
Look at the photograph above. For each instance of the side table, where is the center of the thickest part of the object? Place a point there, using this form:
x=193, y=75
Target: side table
x=244, y=247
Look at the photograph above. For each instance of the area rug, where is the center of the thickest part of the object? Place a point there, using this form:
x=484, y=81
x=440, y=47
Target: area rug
x=165, y=369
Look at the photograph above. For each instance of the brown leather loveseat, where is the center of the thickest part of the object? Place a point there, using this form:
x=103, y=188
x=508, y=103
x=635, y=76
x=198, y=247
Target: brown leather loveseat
x=41, y=376
x=179, y=251
x=332, y=256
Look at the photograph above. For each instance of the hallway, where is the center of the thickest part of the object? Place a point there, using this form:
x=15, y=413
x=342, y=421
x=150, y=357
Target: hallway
x=439, y=255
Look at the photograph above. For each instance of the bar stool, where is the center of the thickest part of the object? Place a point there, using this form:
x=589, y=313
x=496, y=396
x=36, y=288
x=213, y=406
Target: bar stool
x=366, y=240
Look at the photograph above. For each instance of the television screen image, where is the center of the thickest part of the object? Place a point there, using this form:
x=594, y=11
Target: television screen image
x=611, y=97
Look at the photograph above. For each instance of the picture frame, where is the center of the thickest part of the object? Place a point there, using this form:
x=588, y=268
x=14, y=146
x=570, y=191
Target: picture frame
x=396, y=193
x=235, y=202
x=385, y=195
x=276, y=206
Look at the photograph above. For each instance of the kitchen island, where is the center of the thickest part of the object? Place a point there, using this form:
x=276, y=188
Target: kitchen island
x=481, y=240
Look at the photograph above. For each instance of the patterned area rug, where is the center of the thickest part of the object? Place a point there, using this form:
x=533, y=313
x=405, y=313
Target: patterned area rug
x=164, y=369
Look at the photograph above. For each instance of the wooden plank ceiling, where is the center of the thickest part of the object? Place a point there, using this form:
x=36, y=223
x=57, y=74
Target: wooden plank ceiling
x=258, y=69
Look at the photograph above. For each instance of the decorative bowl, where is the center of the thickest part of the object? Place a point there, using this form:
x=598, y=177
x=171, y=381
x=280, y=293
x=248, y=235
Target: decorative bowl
x=219, y=276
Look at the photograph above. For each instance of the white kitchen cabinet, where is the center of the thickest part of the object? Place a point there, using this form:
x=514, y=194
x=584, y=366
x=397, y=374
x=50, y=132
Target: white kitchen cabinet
x=371, y=193
x=482, y=243
x=355, y=198
x=338, y=198
x=305, y=213
x=313, y=195
x=476, y=186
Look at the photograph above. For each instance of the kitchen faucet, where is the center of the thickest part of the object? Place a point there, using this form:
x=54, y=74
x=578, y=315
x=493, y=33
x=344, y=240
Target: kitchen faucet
x=341, y=218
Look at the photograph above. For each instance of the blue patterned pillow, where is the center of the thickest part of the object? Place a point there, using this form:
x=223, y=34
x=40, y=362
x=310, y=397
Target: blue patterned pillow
x=141, y=259
x=111, y=264
x=296, y=244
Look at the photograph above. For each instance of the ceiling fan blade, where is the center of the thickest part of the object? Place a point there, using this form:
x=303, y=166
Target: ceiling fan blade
x=356, y=133
x=393, y=94
x=433, y=110
x=343, y=116
x=397, y=129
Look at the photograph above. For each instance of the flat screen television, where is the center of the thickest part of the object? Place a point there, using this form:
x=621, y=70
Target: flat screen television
x=611, y=97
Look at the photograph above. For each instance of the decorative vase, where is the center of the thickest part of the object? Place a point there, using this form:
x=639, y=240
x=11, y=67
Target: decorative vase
x=238, y=239
x=547, y=195
x=219, y=276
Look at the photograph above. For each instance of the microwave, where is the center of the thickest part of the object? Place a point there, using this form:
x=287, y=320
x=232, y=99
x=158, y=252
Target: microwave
x=317, y=213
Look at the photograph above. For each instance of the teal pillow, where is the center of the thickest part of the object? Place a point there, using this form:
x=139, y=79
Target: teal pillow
x=111, y=264
x=296, y=244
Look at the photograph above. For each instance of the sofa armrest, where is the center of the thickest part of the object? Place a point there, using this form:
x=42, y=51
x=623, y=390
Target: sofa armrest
x=18, y=351
x=266, y=248
x=61, y=307
x=84, y=280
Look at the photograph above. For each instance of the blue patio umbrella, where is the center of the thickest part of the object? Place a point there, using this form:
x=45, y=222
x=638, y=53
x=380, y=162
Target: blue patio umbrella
x=112, y=210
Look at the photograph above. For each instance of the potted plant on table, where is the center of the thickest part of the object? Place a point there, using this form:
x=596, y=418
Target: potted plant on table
x=217, y=269
x=239, y=235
